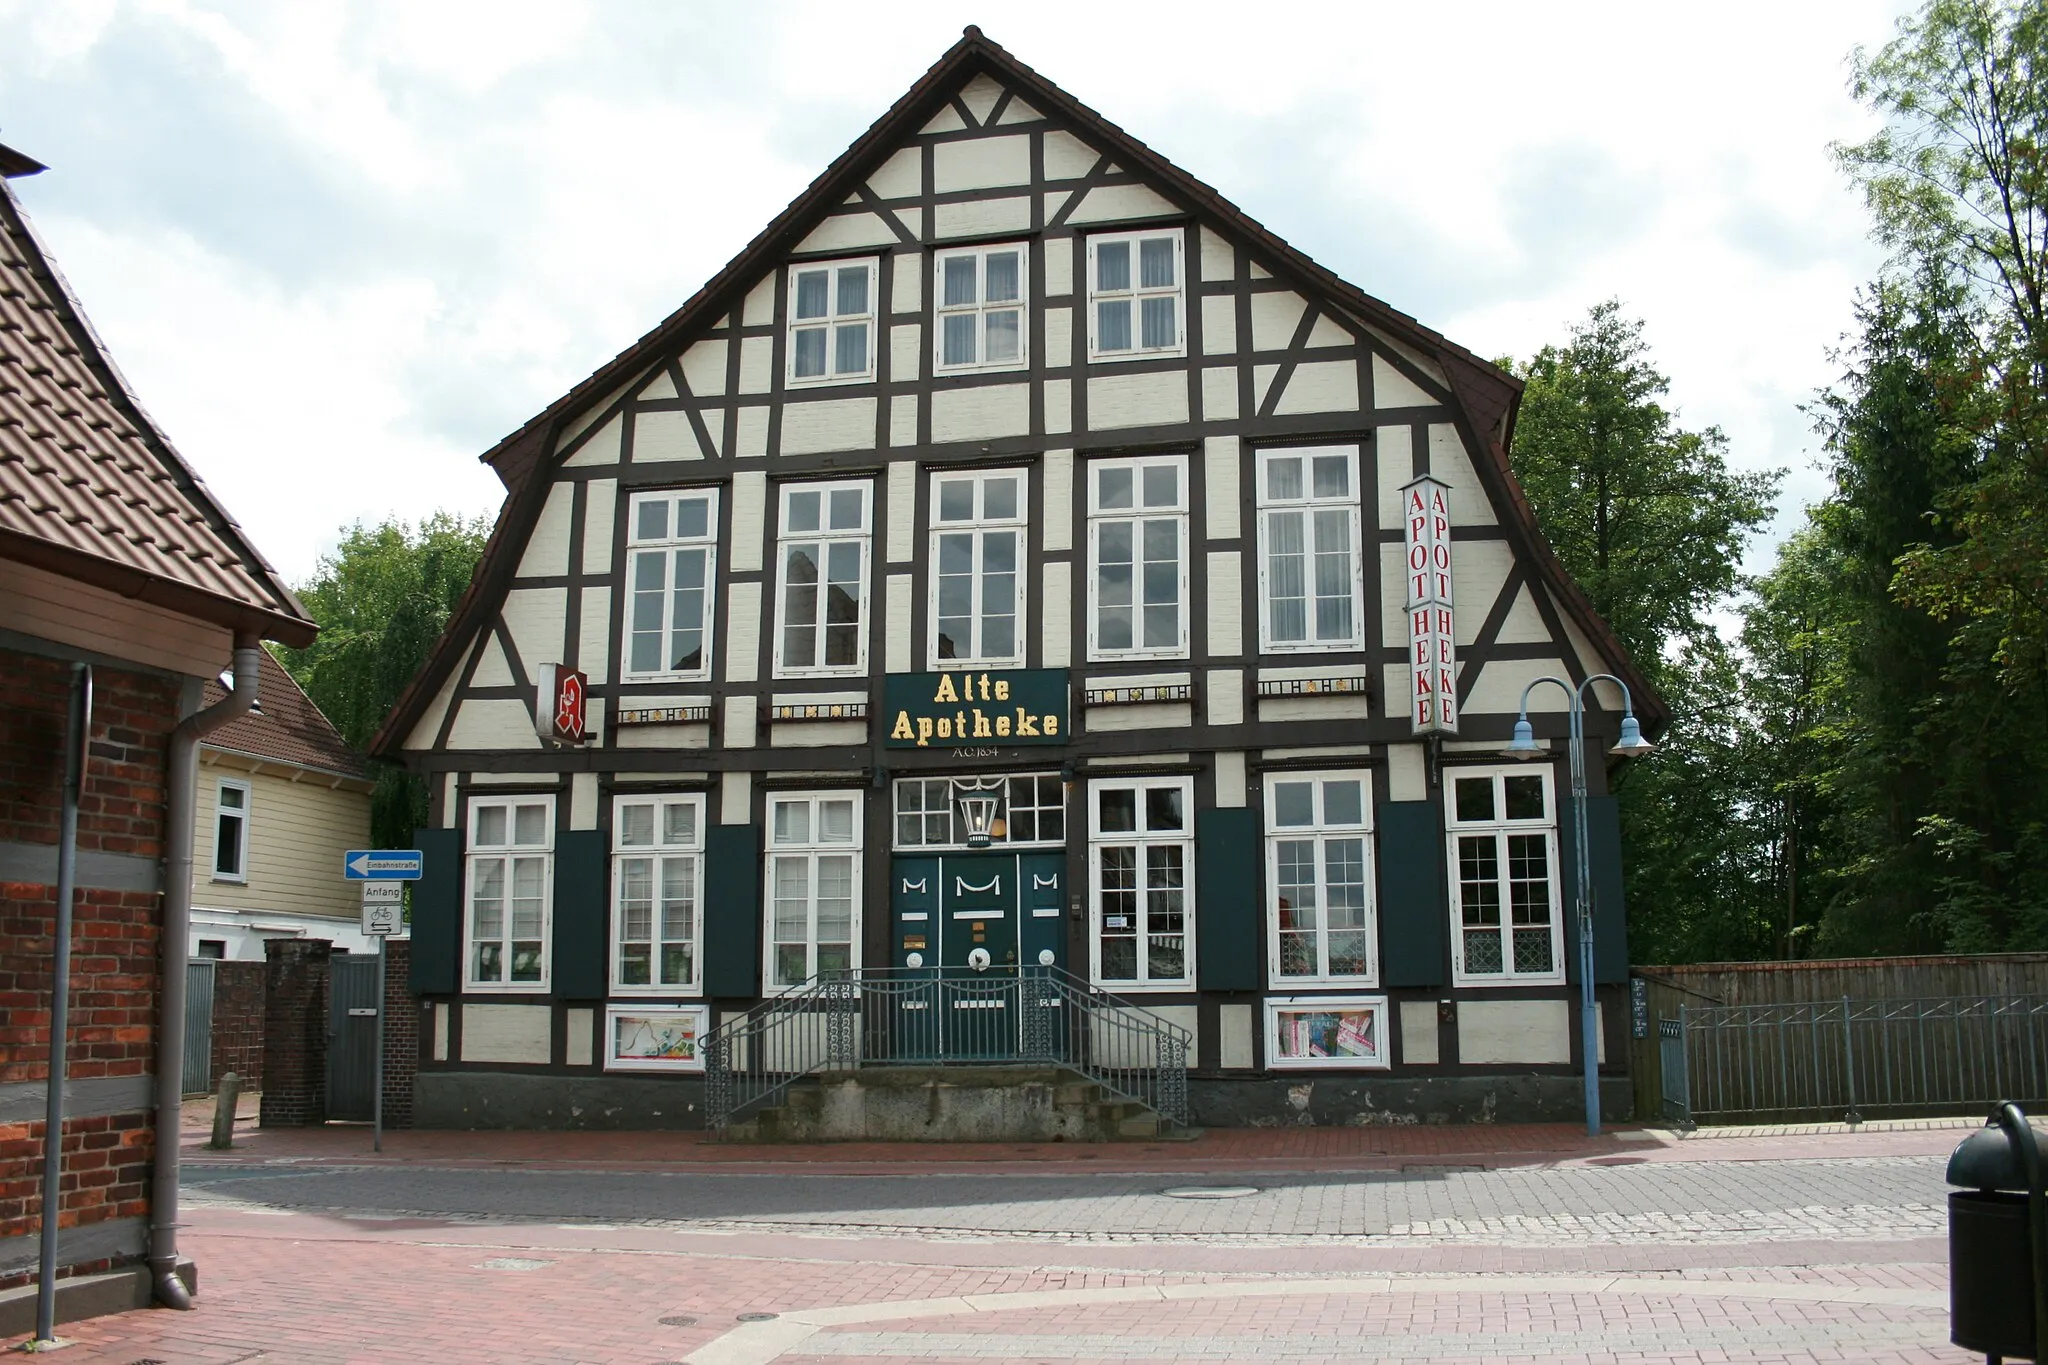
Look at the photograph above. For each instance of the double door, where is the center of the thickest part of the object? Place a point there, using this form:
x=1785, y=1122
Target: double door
x=962, y=925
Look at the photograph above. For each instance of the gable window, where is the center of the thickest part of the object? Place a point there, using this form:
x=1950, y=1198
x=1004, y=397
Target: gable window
x=671, y=559
x=980, y=297
x=831, y=321
x=509, y=875
x=813, y=885
x=1319, y=878
x=1310, y=579
x=1134, y=294
x=231, y=832
x=657, y=893
x=978, y=522
x=1504, y=880
x=1140, y=845
x=1137, y=551
x=820, y=605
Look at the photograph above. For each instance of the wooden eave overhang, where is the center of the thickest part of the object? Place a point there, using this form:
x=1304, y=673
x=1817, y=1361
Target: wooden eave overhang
x=1488, y=396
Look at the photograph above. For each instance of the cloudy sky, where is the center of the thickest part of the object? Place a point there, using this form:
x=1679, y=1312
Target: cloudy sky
x=340, y=249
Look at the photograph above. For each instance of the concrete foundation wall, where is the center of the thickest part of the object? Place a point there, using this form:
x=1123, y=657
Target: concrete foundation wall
x=505, y=1099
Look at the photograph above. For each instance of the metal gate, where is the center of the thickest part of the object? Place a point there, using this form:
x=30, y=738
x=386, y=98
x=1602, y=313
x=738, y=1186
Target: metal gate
x=352, y=1037
x=198, y=1025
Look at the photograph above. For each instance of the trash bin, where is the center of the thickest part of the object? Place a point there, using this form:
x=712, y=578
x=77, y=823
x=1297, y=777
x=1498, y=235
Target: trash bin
x=1998, y=1240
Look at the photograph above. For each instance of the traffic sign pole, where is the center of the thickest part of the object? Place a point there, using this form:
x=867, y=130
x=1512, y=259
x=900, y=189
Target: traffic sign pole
x=377, y=1103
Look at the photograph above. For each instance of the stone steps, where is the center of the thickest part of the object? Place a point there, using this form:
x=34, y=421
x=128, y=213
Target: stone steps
x=950, y=1104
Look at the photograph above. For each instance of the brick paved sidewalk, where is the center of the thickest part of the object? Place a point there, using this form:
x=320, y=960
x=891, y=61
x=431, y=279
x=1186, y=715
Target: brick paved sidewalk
x=1215, y=1150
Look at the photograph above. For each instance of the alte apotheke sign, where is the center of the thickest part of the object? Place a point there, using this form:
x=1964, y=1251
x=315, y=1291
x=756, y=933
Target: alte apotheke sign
x=944, y=710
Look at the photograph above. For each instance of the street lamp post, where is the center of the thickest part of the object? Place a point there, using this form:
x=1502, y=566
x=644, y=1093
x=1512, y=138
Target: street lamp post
x=1631, y=743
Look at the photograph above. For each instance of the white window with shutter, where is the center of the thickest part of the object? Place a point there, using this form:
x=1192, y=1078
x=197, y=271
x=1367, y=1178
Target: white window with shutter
x=832, y=322
x=1141, y=852
x=1506, y=904
x=1136, y=304
x=979, y=295
x=1319, y=879
x=814, y=842
x=657, y=894
x=509, y=876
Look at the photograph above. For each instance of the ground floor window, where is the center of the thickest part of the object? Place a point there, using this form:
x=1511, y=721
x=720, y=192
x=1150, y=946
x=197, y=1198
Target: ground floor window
x=813, y=885
x=1141, y=900
x=657, y=889
x=1504, y=880
x=510, y=866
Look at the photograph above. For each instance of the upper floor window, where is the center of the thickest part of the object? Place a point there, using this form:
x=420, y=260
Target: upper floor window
x=510, y=867
x=1134, y=294
x=820, y=607
x=1031, y=808
x=231, y=832
x=1137, y=551
x=1140, y=846
x=657, y=893
x=1310, y=579
x=813, y=885
x=1504, y=882
x=1319, y=879
x=831, y=321
x=980, y=292
x=670, y=562
x=978, y=522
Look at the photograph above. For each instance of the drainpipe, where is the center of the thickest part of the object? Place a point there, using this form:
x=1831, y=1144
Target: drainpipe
x=170, y=1025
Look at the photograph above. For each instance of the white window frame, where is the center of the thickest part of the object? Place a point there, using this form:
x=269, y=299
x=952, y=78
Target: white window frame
x=240, y=872
x=1136, y=294
x=1142, y=841
x=1136, y=516
x=823, y=539
x=1501, y=829
x=1376, y=1005
x=981, y=309
x=980, y=526
x=475, y=855
x=667, y=547
x=925, y=816
x=810, y=850
x=832, y=321
x=659, y=853
x=1321, y=831
x=1306, y=506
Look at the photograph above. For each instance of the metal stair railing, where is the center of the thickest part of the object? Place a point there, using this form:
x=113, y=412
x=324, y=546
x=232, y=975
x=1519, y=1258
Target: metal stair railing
x=945, y=1017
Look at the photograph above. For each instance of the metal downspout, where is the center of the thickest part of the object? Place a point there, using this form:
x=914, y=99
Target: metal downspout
x=179, y=807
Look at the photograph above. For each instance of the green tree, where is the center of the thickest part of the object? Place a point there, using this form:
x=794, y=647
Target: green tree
x=1651, y=521
x=381, y=600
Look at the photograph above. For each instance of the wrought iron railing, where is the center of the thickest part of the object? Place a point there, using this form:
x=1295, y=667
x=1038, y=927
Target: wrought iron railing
x=1855, y=1059
x=922, y=1016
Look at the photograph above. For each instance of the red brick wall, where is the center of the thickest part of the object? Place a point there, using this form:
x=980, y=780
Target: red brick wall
x=295, y=1032
x=115, y=934
x=401, y=1035
x=238, y=997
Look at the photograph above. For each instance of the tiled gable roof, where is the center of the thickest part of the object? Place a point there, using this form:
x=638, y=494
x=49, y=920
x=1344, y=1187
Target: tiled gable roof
x=89, y=488
x=288, y=728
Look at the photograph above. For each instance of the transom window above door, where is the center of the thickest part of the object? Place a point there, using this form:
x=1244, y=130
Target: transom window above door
x=1135, y=294
x=671, y=559
x=831, y=321
x=821, y=599
x=1137, y=552
x=977, y=590
x=979, y=294
x=1030, y=808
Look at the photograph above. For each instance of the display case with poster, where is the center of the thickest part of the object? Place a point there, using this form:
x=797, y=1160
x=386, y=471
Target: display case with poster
x=654, y=1037
x=1305, y=1031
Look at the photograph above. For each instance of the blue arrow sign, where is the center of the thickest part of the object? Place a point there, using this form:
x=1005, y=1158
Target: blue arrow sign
x=381, y=865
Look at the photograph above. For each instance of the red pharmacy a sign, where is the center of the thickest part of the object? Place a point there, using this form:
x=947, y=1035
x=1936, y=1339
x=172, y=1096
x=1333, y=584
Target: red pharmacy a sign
x=559, y=711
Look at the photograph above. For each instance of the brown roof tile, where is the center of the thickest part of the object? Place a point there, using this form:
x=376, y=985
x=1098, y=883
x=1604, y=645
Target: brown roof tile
x=88, y=486
x=289, y=728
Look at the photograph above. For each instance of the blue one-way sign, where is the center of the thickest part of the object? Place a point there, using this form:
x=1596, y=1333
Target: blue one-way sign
x=381, y=865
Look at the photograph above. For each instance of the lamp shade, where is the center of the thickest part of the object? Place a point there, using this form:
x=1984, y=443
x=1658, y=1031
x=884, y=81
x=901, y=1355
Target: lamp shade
x=1631, y=742
x=1524, y=744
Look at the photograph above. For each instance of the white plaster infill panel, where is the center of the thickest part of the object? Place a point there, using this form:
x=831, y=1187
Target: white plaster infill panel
x=900, y=177
x=1394, y=454
x=704, y=368
x=546, y=554
x=1159, y=398
x=1418, y=1032
x=1059, y=501
x=534, y=618
x=1067, y=157
x=491, y=668
x=493, y=724
x=1451, y=465
x=826, y=425
x=1056, y=623
x=1237, y=1025
x=1219, y=393
x=1479, y=568
x=600, y=515
x=1514, y=1032
x=1392, y=389
x=849, y=231
x=520, y=1034
x=1320, y=386
x=1118, y=203
x=601, y=449
x=981, y=218
x=978, y=414
x=663, y=436
x=982, y=163
x=594, y=633
x=580, y=1034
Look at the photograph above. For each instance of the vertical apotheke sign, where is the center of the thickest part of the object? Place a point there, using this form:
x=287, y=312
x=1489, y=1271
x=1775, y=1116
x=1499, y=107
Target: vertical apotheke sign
x=1432, y=637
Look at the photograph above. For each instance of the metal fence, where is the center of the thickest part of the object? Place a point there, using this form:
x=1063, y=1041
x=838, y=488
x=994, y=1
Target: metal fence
x=945, y=1017
x=198, y=1025
x=1854, y=1059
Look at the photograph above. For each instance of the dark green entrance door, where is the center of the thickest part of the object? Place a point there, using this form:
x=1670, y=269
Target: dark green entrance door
x=979, y=899
x=1042, y=922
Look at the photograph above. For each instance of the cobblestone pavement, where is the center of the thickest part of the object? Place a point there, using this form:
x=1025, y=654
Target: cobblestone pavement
x=1830, y=1256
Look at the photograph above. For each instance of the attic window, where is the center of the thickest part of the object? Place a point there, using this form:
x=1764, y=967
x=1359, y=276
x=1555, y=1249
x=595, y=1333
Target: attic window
x=831, y=322
x=1135, y=295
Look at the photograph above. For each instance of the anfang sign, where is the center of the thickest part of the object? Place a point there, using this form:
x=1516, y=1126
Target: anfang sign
x=1432, y=636
x=946, y=710
x=559, y=709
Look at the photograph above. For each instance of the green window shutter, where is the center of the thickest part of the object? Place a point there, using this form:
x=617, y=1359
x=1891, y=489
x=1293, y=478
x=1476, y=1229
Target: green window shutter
x=1610, y=911
x=1228, y=927
x=732, y=911
x=1414, y=907
x=437, y=913
x=581, y=945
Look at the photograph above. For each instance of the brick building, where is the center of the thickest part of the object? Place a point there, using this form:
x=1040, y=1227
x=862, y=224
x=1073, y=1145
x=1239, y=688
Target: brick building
x=113, y=556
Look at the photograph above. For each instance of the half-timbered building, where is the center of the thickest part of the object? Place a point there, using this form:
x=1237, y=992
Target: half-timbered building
x=1017, y=556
